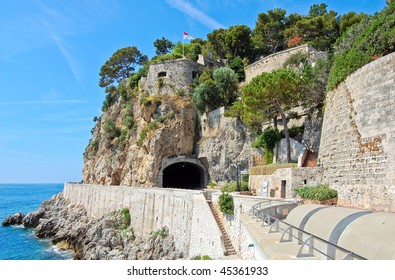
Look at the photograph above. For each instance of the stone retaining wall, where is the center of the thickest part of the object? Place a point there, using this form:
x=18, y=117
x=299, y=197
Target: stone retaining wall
x=185, y=213
x=276, y=61
x=357, y=150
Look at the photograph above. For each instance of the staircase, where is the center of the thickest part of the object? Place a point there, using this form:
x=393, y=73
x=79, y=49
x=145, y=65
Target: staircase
x=229, y=250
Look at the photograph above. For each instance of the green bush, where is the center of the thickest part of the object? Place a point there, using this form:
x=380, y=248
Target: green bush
x=110, y=99
x=205, y=257
x=111, y=131
x=232, y=186
x=373, y=37
x=267, y=139
x=293, y=131
x=320, y=192
x=144, y=132
x=123, y=138
x=226, y=204
x=163, y=233
x=126, y=216
x=148, y=100
x=295, y=60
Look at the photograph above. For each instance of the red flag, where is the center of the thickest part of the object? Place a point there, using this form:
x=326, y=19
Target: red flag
x=187, y=36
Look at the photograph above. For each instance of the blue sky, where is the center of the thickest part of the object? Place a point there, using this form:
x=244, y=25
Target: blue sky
x=51, y=52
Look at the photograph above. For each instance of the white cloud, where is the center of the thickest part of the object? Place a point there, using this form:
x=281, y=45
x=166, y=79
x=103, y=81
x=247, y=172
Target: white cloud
x=71, y=61
x=190, y=10
x=24, y=30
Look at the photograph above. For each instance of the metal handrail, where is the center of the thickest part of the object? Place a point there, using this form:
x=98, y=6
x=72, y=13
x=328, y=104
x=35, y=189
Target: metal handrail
x=276, y=225
x=263, y=204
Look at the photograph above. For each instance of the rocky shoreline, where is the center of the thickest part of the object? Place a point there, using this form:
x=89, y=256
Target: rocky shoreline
x=108, y=238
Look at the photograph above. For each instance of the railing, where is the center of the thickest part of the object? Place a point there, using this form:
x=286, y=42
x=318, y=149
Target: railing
x=311, y=245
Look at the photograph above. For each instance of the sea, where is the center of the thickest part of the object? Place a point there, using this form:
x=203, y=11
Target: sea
x=17, y=242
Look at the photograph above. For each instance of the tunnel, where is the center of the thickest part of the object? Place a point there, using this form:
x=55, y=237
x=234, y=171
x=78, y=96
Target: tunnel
x=183, y=175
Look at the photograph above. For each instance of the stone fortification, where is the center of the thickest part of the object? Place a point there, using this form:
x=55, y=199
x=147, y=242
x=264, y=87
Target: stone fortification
x=357, y=149
x=276, y=61
x=169, y=77
x=185, y=213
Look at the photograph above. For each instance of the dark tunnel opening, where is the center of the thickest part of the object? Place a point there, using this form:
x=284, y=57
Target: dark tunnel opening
x=183, y=175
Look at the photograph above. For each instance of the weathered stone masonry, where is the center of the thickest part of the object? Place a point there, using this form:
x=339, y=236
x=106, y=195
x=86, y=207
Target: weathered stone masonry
x=185, y=213
x=357, y=149
x=276, y=61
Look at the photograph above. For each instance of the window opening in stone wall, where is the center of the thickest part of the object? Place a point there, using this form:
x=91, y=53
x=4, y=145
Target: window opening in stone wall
x=162, y=74
x=194, y=74
x=210, y=65
x=283, y=188
x=305, y=182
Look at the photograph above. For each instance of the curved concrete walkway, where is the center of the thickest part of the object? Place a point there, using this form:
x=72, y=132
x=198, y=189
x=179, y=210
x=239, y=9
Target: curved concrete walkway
x=368, y=234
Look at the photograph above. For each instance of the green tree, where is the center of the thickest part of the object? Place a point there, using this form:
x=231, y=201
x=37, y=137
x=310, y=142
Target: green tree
x=231, y=42
x=319, y=29
x=121, y=65
x=268, y=95
x=268, y=34
x=226, y=82
x=215, y=89
x=163, y=46
x=237, y=65
x=349, y=19
x=206, y=97
x=191, y=50
x=318, y=10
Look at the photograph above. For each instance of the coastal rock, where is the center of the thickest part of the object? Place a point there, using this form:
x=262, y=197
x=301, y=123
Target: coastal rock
x=109, y=238
x=31, y=220
x=15, y=219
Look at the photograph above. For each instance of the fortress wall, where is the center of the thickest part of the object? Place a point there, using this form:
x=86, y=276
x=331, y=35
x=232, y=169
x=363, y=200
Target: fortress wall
x=357, y=150
x=185, y=213
x=179, y=76
x=276, y=61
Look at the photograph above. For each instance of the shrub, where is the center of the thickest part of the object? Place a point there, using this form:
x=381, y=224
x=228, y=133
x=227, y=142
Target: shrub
x=110, y=99
x=126, y=216
x=111, y=131
x=226, y=204
x=267, y=139
x=163, y=232
x=144, y=132
x=123, y=139
x=296, y=59
x=148, y=100
x=205, y=257
x=232, y=186
x=363, y=42
x=320, y=192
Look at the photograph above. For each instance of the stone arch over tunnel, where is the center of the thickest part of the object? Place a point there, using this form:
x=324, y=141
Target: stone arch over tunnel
x=183, y=173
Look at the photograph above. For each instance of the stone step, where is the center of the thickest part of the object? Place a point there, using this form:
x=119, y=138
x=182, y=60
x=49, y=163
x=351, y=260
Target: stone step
x=227, y=241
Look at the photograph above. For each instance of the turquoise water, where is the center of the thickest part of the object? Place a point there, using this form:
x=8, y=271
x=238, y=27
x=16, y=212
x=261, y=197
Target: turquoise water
x=16, y=242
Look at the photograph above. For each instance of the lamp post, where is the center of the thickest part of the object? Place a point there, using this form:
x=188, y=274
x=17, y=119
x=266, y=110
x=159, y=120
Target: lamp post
x=237, y=175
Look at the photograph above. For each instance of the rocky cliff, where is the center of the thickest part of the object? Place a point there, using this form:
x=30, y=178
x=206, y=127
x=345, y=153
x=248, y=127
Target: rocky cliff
x=133, y=135
x=225, y=145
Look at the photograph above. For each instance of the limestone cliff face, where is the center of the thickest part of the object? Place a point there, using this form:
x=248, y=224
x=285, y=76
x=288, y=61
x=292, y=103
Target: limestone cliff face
x=134, y=134
x=224, y=144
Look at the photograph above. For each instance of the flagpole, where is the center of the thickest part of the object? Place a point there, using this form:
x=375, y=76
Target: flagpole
x=183, y=38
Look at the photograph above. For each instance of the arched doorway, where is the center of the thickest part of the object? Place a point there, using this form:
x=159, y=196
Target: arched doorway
x=183, y=175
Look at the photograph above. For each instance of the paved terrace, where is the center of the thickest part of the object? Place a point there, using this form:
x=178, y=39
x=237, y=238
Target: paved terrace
x=322, y=232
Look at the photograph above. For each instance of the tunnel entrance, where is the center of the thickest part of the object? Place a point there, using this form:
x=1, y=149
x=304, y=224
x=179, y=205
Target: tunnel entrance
x=183, y=175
